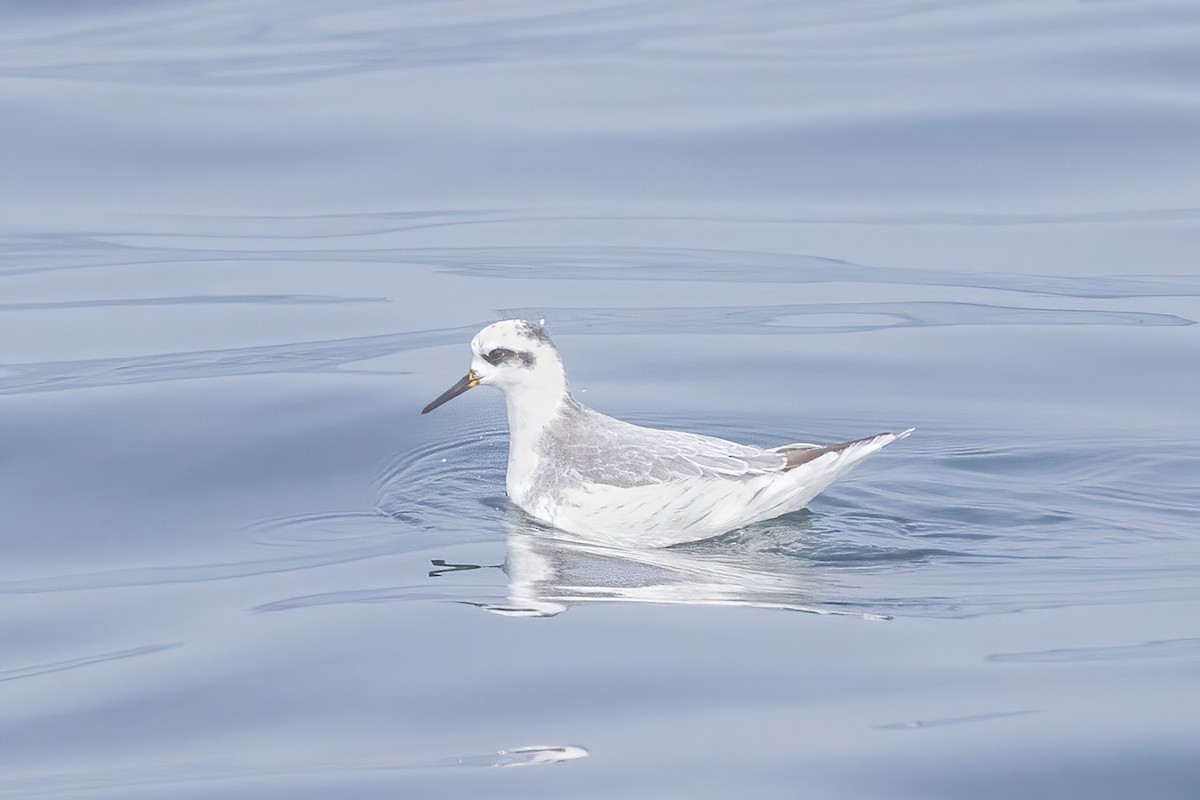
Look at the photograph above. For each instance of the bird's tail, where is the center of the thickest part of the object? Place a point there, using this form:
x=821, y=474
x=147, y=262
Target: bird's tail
x=843, y=454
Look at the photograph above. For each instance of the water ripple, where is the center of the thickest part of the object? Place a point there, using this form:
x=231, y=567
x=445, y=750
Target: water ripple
x=825, y=318
x=1170, y=649
x=299, y=357
x=197, y=573
x=85, y=661
x=336, y=354
x=193, y=300
x=943, y=721
x=226, y=772
x=371, y=239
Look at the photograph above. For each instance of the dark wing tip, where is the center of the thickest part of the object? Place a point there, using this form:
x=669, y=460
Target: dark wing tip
x=804, y=455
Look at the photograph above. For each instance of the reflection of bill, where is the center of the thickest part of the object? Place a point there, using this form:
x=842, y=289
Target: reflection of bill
x=549, y=571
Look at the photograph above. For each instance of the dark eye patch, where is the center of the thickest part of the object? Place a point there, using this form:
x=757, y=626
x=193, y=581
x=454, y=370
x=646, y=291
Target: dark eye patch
x=502, y=355
x=499, y=355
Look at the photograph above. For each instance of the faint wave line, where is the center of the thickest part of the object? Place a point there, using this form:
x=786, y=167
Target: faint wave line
x=316, y=356
x=200, y=772
x=215, y=299
x=774, y=319
x=194, y=573
x=974, y=219
x=334, y=354
x=943, y=721
x=85, y=661
x=296, y=47
x=316, y=227
x=84, y=251
x=363, y=596
x=1162, y=648
x=240, y=44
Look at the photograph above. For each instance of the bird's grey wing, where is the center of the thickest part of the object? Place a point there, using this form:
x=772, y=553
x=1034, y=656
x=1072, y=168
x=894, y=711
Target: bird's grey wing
x=720, y=458
x=636, y=456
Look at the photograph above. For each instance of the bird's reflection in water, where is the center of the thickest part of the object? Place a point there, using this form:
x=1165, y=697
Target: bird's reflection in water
x=548, y=571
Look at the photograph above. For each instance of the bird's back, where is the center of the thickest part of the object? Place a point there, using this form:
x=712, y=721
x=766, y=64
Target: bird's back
x=591, y=447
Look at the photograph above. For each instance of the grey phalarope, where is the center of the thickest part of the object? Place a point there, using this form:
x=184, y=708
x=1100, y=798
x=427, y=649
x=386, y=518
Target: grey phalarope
x=598, y=477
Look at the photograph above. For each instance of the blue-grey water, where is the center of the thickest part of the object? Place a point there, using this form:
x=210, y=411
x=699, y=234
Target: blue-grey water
x=242, y=244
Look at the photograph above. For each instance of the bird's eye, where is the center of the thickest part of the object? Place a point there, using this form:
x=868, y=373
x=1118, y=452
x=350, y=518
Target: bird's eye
x=498, y=355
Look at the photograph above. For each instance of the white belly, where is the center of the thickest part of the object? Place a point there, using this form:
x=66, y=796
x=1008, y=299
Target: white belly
x=669, y=513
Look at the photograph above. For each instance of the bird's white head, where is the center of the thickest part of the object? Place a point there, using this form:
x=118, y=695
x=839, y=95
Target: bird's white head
x=517, y=356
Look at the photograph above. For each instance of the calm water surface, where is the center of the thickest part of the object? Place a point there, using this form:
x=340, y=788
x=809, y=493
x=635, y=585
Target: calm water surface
x=242, y=244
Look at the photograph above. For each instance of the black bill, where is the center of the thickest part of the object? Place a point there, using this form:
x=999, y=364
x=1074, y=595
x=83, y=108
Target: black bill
x=469, y=381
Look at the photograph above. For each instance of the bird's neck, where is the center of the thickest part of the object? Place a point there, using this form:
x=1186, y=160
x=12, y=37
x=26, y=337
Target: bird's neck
x=532, y=407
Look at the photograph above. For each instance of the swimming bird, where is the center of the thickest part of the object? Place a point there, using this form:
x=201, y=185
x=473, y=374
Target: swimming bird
x=601, y=478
